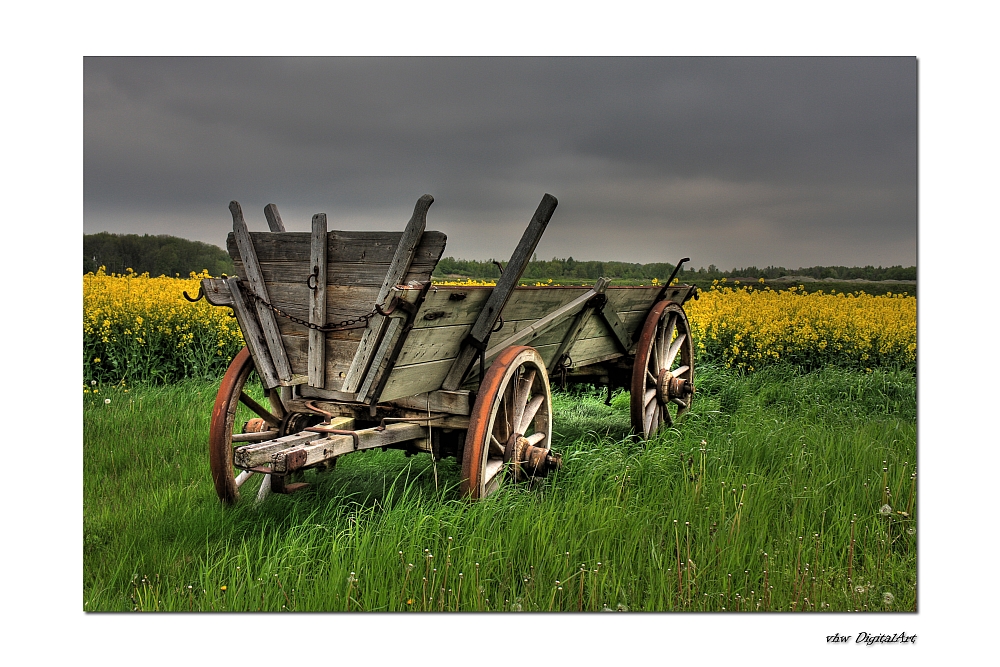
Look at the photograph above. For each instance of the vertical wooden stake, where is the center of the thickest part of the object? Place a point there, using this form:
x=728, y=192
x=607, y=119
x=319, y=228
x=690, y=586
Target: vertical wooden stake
x=397, y=271
x=256, y=285
x=317, y=301
x=274, y=222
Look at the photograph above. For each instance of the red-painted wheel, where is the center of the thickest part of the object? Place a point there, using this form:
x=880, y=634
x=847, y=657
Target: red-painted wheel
x=510, y=425
x=238, y=419
x=663, y=373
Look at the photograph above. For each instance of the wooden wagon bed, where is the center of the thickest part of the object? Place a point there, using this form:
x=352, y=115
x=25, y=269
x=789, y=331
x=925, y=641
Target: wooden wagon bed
x=337, y=321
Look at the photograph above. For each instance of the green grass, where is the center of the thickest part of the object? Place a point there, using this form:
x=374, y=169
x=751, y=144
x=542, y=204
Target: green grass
x=750, y=505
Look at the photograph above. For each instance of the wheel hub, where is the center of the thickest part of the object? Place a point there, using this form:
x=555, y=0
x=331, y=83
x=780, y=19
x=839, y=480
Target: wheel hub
x=668, y=387
x=529, y=460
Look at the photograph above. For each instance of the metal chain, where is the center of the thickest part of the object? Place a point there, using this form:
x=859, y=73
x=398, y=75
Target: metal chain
x=359, y=322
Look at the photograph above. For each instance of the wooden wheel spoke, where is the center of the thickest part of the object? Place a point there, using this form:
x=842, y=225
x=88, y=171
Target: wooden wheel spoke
x=680, y=370
x=667, y=335
x=496, y=447
x=243, y=477
x=265, y=489
x=529, y=413
x=666, y=417
x=648, y=417
x=259, y=410
x=521, y=400
x=493, y=468
x=648, y=397
x=651, y=377
x=535, y=438
x=674, y=348
x=680, y=402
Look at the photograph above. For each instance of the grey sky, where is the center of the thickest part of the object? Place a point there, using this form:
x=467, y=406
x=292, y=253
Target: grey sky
x=731, y=161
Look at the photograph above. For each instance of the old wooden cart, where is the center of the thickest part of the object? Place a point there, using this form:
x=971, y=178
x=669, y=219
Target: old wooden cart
x=355, y=349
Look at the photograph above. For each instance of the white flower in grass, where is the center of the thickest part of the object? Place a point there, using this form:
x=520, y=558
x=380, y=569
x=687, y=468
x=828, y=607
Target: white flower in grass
x=885, y=510
x=888, y=598
x=107, y=401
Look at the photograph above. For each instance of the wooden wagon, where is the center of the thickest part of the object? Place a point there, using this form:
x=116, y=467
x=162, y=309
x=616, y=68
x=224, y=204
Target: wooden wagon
x=356, y=349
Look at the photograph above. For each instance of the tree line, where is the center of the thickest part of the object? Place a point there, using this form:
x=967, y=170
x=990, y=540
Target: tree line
x=571, y=268
x=157, y=255
x=169, y=255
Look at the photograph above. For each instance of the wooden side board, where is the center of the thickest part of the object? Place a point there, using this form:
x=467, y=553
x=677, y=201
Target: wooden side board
x=447, y=315
x=356, y=267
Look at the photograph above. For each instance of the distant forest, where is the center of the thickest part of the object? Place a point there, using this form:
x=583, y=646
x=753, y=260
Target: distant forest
x=571, y=268
x=157, y=255
x=170, y=255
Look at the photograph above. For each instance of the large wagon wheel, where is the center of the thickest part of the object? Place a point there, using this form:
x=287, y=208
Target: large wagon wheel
x=663, y=373
x=510, y=424
x=238, y=419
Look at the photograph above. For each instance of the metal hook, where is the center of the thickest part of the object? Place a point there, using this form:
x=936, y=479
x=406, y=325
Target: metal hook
x=499, y=324
x=499, y=266
x=201, y=294
x=312, y=282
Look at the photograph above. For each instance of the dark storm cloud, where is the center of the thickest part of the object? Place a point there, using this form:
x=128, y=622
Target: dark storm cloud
x=734, y=161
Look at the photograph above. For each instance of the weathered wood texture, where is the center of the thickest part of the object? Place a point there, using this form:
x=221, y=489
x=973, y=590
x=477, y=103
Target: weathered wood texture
x=357, y=264
x=433, y=343
x=375, y=334
x=499, y=296
x=252, y=334
x=257, y=286
x=338, y=445
x=317, y=300
x=274, y=222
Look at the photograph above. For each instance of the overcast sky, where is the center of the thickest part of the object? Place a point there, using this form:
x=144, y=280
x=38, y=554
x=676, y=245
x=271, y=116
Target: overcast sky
x=731, y=161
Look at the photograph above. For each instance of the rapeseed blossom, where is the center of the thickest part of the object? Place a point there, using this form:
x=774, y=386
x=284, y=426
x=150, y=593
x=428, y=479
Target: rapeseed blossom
x=141, y=328
x=749, y=329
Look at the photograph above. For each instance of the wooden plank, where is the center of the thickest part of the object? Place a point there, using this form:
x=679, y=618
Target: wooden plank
x=216, y=291
x=527, y=334
x=381, y=358
x=264, y=315
x=251, y=456
x=274, y=222
x=501, y=293
x=317, y=301
x=252, y=335
x=338, y=445
x=452, y=402
x=622, y=333
x=398, y=268
x=340, y=346
x=344, y=247
x=581, y=320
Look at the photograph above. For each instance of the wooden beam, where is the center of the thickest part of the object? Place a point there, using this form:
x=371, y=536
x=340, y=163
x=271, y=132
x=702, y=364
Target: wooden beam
x=256, y=279
x=581, y=321
x=501, y=293
x=251, y=456
x=535, y=329
x=252, y=334
x=618, y=327
x=273, y=218
x=397, y=270
x=317, y=301
x=452, y=402
x=288, y=460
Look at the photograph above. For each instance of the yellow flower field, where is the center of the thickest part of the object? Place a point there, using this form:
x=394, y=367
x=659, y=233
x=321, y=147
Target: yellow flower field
x=137, y=328
x=750, y=329
x=140, y=329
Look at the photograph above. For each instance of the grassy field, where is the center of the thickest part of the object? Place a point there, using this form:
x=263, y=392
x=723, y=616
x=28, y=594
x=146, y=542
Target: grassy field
x=780, y=491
